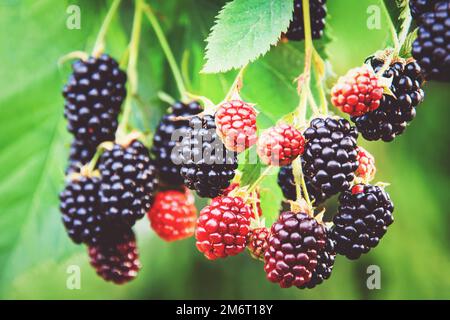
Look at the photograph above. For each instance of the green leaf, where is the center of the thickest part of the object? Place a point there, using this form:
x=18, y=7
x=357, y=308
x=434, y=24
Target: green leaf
x=245, y=30
x=406, y=49
x=250, y=166
x=397, y=10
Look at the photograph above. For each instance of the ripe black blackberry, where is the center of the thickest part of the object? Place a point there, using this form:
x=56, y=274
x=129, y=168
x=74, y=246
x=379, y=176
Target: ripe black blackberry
x=295, y=243
x=287, y=184
x=94, y=94
x=207, y=166
x=363, y=216
x=431, y=48
x=318, y=11
x=128, y=182
x=81, y=212
x=80, y=154
x=419, y=7
x=167, y=163
x=117, y=261
x=394, y=113
x=325, y=263
x=330, y=157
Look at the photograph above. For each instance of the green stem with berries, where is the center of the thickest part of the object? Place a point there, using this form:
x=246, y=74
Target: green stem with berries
x=100, y=41
x=167, y=51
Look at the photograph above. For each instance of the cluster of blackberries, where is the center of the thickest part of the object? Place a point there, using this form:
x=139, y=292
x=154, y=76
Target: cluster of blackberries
x=395, y=112
x=101, y=202
x=431, y=48
x=318, y=13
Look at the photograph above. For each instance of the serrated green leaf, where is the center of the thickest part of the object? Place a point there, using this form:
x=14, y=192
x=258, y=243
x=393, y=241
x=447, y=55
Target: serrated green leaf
x=406, y=49
x=245, y=30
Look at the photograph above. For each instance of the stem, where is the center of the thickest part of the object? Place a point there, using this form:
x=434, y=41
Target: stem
x=132, y=66
x=299, y=179
x=304, y=79
x=312, y=103
x=237, y=84
x=100, y=41
x=260, y=178
x=167, y=51
x=391, y=27
x=319, y=84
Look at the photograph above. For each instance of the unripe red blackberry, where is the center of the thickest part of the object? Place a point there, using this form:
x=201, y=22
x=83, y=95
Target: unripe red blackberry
x=258, y=242
x=431, y=47
x=358, y=92
x=325, y=263
x=329, y=161
x=236, y=125
x=173, y=215
x=394, y=113
x=363, y=216
x=257, y=199
x=170, y=128
x=287, y=184
x=223, y=227
x=366, y=165
x=318, y=13
x=128, y=182
x=206, y=165
x=118, y=261
x=94, y=94
x=80, y=154
x=280, y=145
x=295, y=243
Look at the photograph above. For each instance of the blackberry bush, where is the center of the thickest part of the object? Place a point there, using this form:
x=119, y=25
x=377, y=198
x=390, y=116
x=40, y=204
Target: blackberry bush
x=394, y=113
x=330, y=157
x=167, y=164
x=431, y=48
x=364, y=214
x=128, y=182
x=94, y=94
x=207, y=166
x=318, y=11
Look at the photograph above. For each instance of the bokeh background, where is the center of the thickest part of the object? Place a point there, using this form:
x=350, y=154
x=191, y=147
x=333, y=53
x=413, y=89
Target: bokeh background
x=35, y=252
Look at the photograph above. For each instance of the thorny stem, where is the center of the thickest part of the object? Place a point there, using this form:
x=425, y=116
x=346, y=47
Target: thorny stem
x=100, y=41
x=132, y=66
x=255, y=184
x=167, y=51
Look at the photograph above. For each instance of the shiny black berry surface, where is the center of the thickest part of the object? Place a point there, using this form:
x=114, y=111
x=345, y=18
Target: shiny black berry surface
x=207, y=166
x=318, y=11
x=329, y=160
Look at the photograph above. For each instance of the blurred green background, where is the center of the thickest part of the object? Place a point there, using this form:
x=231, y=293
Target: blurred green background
x=35, y=252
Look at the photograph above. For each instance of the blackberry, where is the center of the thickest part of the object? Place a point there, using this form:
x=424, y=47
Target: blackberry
x=431, y=49
x=394, y=113
x=118, y=261
x=419, y=7
x=295, y=243
x=363, y=216
x=80, y=154
x=81, y=213
x=168, y=169
x=207, y=166
x=128, y=182
x=318, y=11
x=330, y=157
x=287, y=184
x=325, y=263
x=94, y=93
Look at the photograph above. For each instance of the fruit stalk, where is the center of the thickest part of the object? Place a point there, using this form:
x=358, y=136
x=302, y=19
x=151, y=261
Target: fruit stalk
x=167, y=51
x=132, y=66
x=100, y=41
